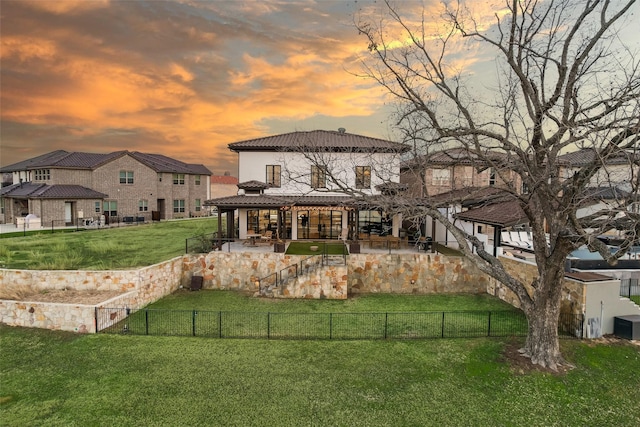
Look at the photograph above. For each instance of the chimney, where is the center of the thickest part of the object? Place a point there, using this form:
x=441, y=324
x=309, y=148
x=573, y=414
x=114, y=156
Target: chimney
x=342, y=130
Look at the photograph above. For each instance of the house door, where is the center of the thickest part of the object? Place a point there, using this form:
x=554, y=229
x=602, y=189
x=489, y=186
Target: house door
x=161, y=208
x=67, y=213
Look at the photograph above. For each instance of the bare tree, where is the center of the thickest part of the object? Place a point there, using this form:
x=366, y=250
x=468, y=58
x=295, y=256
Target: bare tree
x=562, y=80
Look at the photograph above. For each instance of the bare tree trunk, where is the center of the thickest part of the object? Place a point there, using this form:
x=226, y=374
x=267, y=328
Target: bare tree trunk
x=542, y=344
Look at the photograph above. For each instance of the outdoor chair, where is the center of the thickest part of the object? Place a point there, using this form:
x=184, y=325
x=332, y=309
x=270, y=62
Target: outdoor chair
x=377, y=242
x=267, y=236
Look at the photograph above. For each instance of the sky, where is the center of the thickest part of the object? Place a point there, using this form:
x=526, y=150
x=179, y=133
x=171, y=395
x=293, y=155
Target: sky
x=183, y=78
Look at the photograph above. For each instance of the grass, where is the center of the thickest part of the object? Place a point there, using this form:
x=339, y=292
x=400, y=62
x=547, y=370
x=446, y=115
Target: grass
x=215, y=300
x=60, y=379
x=114, y=248
x=304, y=248
x=236, y=315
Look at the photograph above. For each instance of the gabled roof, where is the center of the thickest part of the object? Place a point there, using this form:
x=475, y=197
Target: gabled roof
x=502, y=214
x=31, y=190
x=278, y=201
x=319, y=140
x=161, y=163
x=79, y=160
x=224, y=179
x=587, y=155
x=605, y=193
x=253, y=185
x=455, y=157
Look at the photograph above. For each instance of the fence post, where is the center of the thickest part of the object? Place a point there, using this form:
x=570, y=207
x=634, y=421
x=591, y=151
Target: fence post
x=95, y=316
x=489, y=328
x=193, y=322
x=442, y=332
x=330, y=325
x=146, y=322
x=386, y=321
x=220, y=324
x=268, y=325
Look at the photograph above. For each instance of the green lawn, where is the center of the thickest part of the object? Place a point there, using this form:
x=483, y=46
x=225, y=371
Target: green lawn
x=215, y=300
x=61, y=379
x=104, y=249
x=227, y=314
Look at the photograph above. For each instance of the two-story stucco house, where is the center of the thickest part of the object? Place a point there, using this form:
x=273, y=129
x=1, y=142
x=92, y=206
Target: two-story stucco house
x=310, y=185
x=65, y=187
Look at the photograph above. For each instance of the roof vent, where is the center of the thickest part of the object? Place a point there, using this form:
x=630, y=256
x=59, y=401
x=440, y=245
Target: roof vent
x=342, y=130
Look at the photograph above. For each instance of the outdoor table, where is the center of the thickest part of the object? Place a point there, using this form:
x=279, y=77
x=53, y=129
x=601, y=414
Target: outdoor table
x=252, y=238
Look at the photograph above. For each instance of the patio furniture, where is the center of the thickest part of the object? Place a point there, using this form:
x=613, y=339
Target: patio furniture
x=393, y=242
x=253, y=237
x=377, y=242
x=267, y=236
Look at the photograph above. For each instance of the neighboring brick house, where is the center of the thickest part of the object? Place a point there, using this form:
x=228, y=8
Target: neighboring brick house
x=450, y=170
x=223, y=186
x=65, y=187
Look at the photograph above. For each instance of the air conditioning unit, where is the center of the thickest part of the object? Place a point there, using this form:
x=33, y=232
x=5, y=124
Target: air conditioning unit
x=627, y=326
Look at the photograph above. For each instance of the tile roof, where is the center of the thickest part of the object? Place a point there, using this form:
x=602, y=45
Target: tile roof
x=253, y=185
x=278, y=201
x=503, y=214
x=586, y=156
x=79, y=160
x=43, y=191
x=455, y=156
x=224, y=179
x=319, y=140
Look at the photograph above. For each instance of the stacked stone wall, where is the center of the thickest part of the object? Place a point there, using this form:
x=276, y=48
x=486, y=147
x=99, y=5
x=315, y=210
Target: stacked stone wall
x=138, y=287
x=414, y=273
x=573, y=292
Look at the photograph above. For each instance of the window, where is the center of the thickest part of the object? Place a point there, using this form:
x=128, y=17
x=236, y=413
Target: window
x=159, y=177
x=197, y=179
x=97, y=207
x=126, y=177
x=178, y=206
x=492, y=176
x=273, y=175
x=2, y=205
x=198, y=205
x=318, y=177
x=440, y=176
x=178, y=178
x=363, y=176
x=143, y=205
x=110, y=208
x=42, y=175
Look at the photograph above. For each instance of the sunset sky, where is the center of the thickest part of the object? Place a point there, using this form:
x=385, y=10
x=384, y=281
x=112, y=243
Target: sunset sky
x=182, y=78
x=178, y=78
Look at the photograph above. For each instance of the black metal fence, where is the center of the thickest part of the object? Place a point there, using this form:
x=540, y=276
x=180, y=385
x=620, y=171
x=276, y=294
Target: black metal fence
x=207, y=243
x=338, y=326
x=629, y=287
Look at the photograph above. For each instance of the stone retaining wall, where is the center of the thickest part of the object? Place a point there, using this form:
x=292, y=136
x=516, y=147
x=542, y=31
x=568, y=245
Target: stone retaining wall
x=139, y=288
x=573, y=292
x=364, y=273
x=414, y=273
